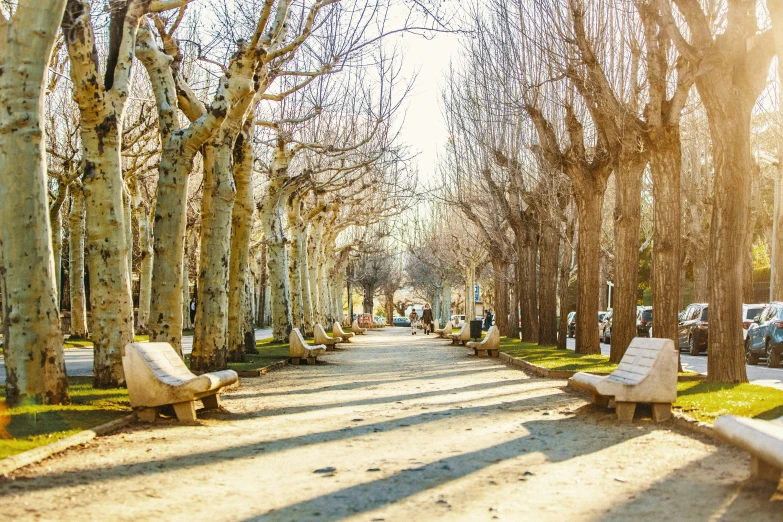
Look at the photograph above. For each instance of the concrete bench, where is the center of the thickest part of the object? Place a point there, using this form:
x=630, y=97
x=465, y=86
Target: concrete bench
x=298, y=349
x=489, y=346
x=337, y=330
x=763, y=439
x=647, y=373
x=320, y=337
x=156, y=376
x=446, y=330
x=355, y=328
x=462, y=337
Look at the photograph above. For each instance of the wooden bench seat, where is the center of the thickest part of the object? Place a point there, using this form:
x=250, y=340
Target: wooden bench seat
x=763, y=439
x=647, y=373
x=462, y=337
x=320, y=337
x=446, y=330
x=337, y=330
x=156, y=376
x=298, y=349
x=489, y=346
x=355, y=328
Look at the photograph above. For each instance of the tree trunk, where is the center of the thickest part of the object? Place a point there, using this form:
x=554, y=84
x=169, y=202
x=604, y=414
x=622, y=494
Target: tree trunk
x=241, y=225
x=35, y=370
x=564, y=276
x=76, y=265
x=627, y=221
x=367, y=302
x=513, y=293
x=776, y=272
x=304, y=278
x=314, y=259
x=297, y=230
x=210, y=333
x=186, y=322
x=325, y=299
x=666, y=164
x=500, y=268
x=446, y=303
x=56, y=216
x=550, y=253
x=145, y=253
x=730, y=132
x=589, y=203
x=750, y=231
x=527, y=248
x=276, y=262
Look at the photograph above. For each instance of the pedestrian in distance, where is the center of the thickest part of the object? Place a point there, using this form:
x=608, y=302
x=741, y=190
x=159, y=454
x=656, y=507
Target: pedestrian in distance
x=488, y=319
x=426, y=319
x=192, y=310
x=414, y=319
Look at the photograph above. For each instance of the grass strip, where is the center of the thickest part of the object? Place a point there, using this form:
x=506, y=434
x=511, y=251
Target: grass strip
x=703, y=401
x=28, y=426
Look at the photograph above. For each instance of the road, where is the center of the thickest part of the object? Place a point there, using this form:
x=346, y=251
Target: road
x=78, y=361
x=756, y=374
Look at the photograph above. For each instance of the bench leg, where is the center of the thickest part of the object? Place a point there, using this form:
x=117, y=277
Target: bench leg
x=625, y=411
x=295, y=360
x=211, y=402
x=185, y=411
x=310, y=360
x=661, y=411
x=600, y=400
x=763, y=470
x=147, y=414
x=494, y=353
x=476, y=352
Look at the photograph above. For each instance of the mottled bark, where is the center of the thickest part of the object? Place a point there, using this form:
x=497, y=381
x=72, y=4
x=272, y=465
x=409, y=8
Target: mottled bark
x=297, y=231
x=241, y=226
x=513, y=299
x=35, y=370
x=314, y=259
x=76, y=264
x=627, y=221
x=143, y=218
x=210, y=335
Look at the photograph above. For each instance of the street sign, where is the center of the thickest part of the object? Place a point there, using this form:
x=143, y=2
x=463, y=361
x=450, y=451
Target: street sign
x=476, y=293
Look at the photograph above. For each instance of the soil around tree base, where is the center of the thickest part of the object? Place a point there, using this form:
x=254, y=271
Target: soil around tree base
x=398, y=427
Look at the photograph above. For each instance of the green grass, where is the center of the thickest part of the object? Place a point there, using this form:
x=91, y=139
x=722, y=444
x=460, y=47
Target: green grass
x=553, y=359
x=706, y=401
x=34, y=425
x=269, y=352
x=700, y=400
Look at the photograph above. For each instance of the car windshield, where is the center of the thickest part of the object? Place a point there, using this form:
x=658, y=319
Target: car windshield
x=647, y=315
x=751, y=313
x=705, y=315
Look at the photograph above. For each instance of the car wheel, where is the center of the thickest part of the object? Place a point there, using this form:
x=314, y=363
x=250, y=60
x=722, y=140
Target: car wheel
x=750, y=357
x=773, y=358
x=692, y=348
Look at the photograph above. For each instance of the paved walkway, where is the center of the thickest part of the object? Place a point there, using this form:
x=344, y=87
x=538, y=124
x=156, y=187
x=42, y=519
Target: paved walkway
x=395, y=427
x=78, y=361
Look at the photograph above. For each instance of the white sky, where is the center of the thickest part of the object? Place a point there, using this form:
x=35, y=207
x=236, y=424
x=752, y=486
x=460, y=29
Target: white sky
x=424, y=129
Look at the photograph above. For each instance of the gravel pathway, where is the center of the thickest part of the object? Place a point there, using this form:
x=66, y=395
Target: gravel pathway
x=395, y=427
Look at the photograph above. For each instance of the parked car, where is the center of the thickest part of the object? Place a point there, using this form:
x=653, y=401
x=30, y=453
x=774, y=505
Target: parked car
x=693, y=328
x=401, y=321
x=749, y=314
x=457, y=320
x=571, y=332
x=605, y=327
x=765, y=336
x=644, y=319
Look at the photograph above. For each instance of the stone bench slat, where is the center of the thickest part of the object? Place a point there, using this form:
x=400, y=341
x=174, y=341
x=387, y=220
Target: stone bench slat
x=646, y=373
x=763, y=439
x=156, y=376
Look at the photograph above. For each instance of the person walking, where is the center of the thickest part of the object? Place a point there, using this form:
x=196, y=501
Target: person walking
x=192, y=310
x=414, y=319
x=426, y=318
x=488, y=319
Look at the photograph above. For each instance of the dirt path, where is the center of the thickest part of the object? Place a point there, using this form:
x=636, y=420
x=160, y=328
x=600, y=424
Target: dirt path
x=415, y=430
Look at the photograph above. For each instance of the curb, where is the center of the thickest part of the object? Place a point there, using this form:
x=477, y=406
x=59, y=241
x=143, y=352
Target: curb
x=264, y=369
x=14, y=462
x=566, y=374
